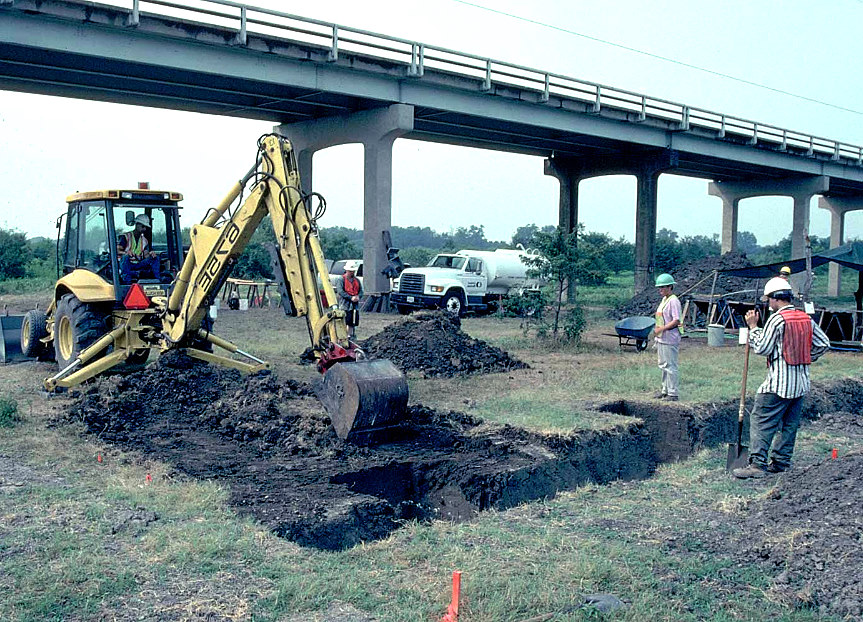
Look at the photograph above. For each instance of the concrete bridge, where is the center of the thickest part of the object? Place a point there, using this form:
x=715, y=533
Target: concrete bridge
x=324, y=84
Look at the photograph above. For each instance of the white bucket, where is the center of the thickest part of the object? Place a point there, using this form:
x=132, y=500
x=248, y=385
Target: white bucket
x=214, y=311
x=715, y=335
x=743, y=337
x=244, y=304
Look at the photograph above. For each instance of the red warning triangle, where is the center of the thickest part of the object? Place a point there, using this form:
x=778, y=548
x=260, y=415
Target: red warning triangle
x=136, y=299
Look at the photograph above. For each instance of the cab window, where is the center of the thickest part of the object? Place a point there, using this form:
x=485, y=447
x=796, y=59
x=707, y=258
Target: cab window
x=157, y=235
x=473, y=265
x=94, y=253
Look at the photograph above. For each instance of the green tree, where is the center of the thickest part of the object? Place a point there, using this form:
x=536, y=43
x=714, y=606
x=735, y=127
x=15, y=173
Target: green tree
x=416, y=256
x=557, y=262
x=253, y=264
x=747, y=242
x=620, y=255
x=14, y=254
x=337, y=245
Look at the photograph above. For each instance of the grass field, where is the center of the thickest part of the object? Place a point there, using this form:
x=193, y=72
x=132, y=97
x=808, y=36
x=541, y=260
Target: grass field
x=127, y=539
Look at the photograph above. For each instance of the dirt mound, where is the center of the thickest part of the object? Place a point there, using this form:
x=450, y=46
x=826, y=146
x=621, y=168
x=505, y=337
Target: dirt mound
x=808, y=528
x=434, y=344
x=257, y=410
x=687, y=276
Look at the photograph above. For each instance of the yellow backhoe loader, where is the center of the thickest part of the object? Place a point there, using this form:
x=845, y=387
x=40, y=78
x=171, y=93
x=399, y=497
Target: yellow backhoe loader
x=114, y=305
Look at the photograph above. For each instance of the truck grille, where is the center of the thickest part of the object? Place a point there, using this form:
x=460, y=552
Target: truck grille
x=412, y=283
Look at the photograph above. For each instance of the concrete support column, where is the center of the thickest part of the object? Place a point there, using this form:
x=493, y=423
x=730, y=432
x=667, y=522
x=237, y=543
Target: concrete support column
x=568, y=173
x=645, y=228
x=377, y=130
x=729, y=224
x=838, y=207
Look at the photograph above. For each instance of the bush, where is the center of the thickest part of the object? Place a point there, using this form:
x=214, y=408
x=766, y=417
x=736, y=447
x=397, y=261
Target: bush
x=574, y=324
x=14, y=254
x=8, y=412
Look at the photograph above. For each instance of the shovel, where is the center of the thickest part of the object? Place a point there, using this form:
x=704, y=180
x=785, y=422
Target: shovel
x=738, y=454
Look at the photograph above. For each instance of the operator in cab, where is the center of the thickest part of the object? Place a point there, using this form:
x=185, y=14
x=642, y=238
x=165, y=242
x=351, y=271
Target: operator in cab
x=137, y=260
x=349, y=291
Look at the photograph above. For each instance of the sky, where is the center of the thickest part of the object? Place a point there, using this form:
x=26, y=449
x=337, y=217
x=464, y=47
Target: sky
x=787, y=63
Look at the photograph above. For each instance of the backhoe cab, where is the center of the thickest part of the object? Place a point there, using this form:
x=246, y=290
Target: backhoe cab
x=127, y=288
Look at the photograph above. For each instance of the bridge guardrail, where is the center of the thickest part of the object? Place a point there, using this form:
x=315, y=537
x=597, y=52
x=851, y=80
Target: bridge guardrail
x=418, y=57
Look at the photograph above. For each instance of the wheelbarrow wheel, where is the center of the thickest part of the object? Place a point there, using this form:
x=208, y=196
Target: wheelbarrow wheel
x=641, y=345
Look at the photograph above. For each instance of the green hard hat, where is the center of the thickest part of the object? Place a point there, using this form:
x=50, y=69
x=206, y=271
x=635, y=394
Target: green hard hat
x=664, y=279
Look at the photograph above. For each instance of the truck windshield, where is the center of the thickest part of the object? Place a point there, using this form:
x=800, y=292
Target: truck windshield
x=448, y=261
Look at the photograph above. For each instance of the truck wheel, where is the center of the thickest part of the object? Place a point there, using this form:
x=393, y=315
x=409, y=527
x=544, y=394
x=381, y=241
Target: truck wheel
x=76, y=326
x=33, y=328
x=404, y=309
x=453, y=302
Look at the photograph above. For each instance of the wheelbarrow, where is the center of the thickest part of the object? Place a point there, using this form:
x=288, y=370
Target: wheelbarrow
x=634, y=332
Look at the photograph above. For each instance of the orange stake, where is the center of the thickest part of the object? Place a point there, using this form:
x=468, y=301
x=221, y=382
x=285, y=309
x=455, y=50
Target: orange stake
x=452, y=612
x=835, y=453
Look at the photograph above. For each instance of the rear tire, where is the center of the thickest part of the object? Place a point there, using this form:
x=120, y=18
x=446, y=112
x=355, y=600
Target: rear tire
x=33, y=328
x=453, y=302
x=77, y=325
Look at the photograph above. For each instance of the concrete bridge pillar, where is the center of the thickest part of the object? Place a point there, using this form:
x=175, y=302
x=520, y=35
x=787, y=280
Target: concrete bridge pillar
x=800, y=189
x=568, y=173
x=838, y=207
x=645, y=227
x=377, y=130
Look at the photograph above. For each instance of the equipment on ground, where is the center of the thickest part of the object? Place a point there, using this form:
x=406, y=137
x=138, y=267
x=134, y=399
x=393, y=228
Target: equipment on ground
x=634, y=331
x=738, y=453
x=664, y=280
x=108, y=308
x=464, y=281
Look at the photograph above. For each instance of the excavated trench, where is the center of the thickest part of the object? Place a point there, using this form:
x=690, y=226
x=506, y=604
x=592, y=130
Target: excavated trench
x=271, y=445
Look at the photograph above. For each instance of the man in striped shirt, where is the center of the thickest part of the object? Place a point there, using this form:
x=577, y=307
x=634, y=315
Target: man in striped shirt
x=790, y=340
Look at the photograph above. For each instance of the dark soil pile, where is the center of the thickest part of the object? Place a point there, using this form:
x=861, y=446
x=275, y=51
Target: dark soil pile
x=687, y=276
x=434, y=344
x=810, y=530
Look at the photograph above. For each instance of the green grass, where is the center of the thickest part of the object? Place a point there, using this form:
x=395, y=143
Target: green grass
x=9, y=415
x=27, y=285
x=64, y=554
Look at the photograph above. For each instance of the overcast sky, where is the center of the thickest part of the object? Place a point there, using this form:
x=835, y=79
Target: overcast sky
x=52, y=147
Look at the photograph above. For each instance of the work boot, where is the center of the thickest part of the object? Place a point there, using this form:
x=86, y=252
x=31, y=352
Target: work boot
x=660, y=395
x=750, y=472
x=776, y=468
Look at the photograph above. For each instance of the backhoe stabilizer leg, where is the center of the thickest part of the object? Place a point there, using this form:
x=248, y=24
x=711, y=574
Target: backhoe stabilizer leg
x=69, y=377
x=363, y=396
x=224, y=361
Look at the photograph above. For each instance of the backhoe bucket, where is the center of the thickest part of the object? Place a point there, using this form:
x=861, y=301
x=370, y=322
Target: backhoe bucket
x=363, y=397
x=10, y=344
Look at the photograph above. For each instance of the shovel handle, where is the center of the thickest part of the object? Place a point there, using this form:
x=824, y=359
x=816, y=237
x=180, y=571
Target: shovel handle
x=742, y=411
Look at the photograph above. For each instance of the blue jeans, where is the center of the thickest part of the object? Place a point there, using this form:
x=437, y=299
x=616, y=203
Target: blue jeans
x=134, y=270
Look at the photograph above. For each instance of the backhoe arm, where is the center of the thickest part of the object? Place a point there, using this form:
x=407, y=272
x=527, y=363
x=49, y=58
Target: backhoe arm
x=220, y=239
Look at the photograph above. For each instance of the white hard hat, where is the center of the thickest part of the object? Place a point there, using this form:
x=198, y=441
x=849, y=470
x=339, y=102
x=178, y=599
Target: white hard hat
x=774, y=285
x=351, y=265
x=143, y=219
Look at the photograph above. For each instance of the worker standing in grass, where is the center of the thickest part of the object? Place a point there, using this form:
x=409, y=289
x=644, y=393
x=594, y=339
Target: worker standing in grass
x=349, y=290
x=790, y=340
x=667, y=338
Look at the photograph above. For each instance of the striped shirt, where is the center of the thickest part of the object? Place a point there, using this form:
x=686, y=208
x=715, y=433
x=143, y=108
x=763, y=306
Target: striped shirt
x=786, y=381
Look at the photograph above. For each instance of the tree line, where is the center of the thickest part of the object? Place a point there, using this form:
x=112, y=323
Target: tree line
x=600, y=255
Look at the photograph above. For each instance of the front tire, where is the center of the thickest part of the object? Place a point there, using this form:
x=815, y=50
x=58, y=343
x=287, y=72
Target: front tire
x=77, y=326
x=33, y=329
x=453, y=302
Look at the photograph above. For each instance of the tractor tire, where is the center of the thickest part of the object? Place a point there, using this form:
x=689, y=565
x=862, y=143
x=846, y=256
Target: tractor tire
x=453, y=302
x=77, y=325
x=33, y=328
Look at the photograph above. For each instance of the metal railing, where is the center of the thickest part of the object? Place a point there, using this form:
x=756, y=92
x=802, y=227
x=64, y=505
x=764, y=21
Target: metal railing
x=416, y=58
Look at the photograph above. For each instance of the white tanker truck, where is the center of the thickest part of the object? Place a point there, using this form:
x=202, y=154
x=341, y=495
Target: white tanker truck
x=463, y=281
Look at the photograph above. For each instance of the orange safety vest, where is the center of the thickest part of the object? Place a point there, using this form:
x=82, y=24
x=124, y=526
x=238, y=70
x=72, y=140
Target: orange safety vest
x=352, y=286
x=797, y=338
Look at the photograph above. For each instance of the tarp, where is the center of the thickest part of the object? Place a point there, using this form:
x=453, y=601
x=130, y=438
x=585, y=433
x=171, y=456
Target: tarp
x=850, y=255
